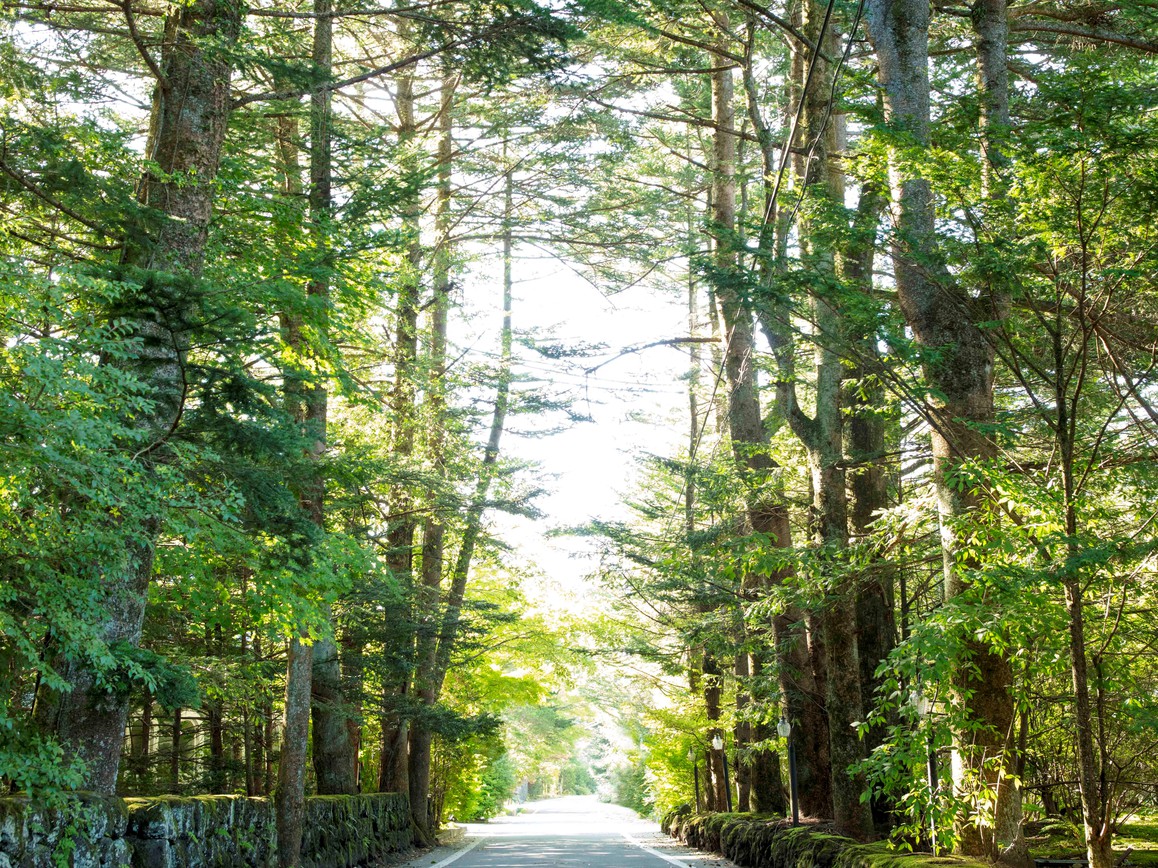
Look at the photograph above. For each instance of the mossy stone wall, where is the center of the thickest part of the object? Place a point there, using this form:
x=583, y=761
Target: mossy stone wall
x=91, y=835
x=756, y=841
x=198, y=832
x=344, y=831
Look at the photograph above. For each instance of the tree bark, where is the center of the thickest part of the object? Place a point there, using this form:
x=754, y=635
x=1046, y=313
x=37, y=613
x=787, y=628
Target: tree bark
x=175, y=753
x=400, y=535
x=1095, y=793
x=353, y=679
x=944, y=320
x=767, y=784
x=187, y=128
x=290, y=798
x=823, y=438
x=488, y=469
x=333, y=754
x=140, y=749
x=799, y=662
x=742, y=730
x=427, y=678
x=713, y=688
x=868, y=479
x=215, y=717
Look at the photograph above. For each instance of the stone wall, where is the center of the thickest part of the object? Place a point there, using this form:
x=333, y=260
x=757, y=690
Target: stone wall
x=344, y=831
x=198, y=832
x=90, y=834
x=756, y=841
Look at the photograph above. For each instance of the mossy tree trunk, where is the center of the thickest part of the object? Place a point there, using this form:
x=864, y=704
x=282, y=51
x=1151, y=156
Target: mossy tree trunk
x=334, y=757
x=427, y=678
x=191, y=105
x=394, y=773
x=945, y=319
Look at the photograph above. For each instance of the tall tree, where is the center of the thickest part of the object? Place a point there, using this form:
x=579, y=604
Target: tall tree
x=959, y=366
x=334, y=755
x=191, y=104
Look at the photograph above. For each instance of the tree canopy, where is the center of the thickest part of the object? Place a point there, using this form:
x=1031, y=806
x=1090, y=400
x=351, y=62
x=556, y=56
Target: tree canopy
x=266, y=388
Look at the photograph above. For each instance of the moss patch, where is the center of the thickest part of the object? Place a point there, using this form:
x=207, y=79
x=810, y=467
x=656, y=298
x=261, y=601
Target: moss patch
x=199, y=831
x=1063, y=841
x=756, y=841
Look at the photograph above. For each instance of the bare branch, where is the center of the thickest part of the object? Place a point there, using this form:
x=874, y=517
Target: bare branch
x=669, y=342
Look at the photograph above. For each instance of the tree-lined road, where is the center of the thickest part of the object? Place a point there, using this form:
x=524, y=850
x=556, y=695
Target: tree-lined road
x=571, y=832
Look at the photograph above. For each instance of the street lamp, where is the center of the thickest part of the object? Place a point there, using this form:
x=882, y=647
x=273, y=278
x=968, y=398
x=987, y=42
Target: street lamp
x=784, y=728
x=718, y=744
x=695, y=775
x=924, y=707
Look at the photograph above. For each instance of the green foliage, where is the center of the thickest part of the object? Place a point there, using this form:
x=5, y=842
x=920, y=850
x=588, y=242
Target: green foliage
x=629, y=788
x=260, y=523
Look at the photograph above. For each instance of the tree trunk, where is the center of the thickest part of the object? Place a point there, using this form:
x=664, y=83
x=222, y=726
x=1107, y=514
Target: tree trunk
x=750, y=444
x=215, y=719
x=991, y=24
x=868, y=479
x=875, y=621
x=767, y=785
x=218, y=773
x=990, y=21
x=290, y=798
x=141, y=753
x=823, y=438
x=400, y=536
x=427, y=679
x=800, y=670
x=944, y=320
x=713, y=688
x=333, y=754
x=742, y=731
x=707, y=788
x=187, y=128
x=247, y=751
x=267, y=741
x=353, y=678
x=394, y=753
x=1095, y=803
x=218, y=782
x=175, y=753
x=1095, y=795
x=460, y=575
x=335, y=762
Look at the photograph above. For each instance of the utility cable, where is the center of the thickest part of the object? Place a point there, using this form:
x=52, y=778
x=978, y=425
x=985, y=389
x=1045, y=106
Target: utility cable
x=831, y=102
x=770, y=207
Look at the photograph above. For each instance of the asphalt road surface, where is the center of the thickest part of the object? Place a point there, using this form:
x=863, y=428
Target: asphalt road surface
x=571, y=832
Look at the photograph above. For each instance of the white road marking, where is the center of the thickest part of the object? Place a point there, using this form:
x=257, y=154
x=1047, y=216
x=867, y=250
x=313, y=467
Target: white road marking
x=454, y=857
x=646, y=849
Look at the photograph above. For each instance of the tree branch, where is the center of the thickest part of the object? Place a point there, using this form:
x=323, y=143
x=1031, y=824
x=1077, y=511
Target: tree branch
x=135, y=35
x=669, y=342
x=1085, y=33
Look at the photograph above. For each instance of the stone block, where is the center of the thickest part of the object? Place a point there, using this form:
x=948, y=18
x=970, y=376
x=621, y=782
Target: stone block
x=153, y=853
x=200, y=832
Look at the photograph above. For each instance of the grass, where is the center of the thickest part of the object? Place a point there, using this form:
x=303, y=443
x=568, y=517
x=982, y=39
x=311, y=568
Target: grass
x=1142, y=835
x=1060, y=840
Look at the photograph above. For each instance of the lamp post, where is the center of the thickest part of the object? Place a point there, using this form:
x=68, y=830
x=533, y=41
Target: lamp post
x=924, y=707
x=695, y=775
x=784, y=728
x=718, y=744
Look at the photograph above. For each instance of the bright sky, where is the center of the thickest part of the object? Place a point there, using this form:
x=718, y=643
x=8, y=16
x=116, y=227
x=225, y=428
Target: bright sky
x=638, y=403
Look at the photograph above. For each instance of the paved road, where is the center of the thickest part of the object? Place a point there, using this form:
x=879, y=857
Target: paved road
x=571, y=832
